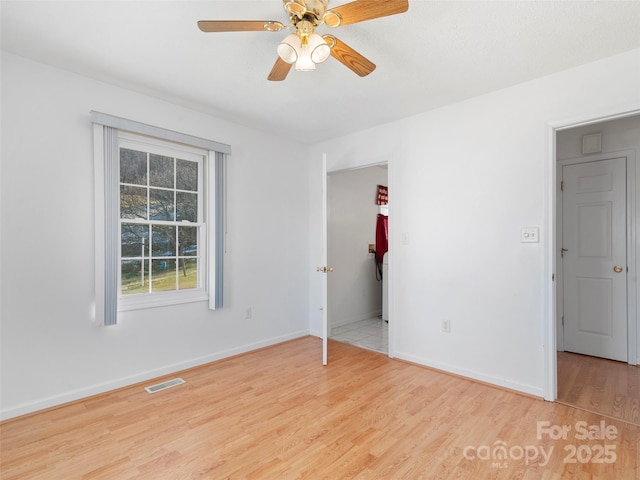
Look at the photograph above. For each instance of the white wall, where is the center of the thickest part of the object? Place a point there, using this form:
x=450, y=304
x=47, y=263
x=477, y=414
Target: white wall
x=353, y=291
x=52, y=351
x=618, y=135
x=465, y=178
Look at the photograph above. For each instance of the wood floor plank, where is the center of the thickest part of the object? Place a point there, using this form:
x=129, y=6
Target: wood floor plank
x=277, y=413
x=599, y=385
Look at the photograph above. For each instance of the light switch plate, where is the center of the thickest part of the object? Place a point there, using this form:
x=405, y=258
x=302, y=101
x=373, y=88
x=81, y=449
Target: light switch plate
x=530, y=235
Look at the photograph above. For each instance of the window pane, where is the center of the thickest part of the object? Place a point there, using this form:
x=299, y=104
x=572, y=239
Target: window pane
x=163, y=275
x=186, y=206
x=133, y=167
x=161, y=213
x=188, y=241
x=163, y=241
x=134, y=279
x=134, y=240
x=187, y=175
x=161, y=204
x=133, y=202
x=160, y=171
x=188, y=274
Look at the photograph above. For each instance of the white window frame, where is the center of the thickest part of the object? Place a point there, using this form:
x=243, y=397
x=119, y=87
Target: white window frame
x=107, y=131
x=158, y=299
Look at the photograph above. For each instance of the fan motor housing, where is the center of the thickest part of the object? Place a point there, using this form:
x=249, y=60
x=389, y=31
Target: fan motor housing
x=311, y=10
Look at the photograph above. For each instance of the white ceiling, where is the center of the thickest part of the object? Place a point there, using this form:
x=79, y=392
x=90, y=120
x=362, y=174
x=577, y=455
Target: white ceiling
x=439, y=52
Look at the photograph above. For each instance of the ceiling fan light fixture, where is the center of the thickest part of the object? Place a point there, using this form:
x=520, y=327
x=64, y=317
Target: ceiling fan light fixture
x=319, y=48
x=288, y=49
x=304, y=63
x=304, y=49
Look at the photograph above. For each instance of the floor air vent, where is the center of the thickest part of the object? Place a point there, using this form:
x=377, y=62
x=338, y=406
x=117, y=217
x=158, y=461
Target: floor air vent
x=164, y=385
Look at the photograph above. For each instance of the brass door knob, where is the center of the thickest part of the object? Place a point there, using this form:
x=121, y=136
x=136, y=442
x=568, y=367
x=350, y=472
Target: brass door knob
x=617, y=268
x=324, y=269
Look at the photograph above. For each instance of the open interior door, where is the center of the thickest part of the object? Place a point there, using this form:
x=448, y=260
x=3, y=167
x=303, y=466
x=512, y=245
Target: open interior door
x=323, y=270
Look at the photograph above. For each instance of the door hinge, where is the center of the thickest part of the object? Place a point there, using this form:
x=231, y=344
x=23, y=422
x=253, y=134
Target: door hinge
x=562, y=186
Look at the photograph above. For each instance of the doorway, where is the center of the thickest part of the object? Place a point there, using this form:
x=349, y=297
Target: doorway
x=595, y=263
x=355, y=285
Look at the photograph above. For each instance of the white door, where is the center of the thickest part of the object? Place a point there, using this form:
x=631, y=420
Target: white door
x=323, y=270
x=594, y=258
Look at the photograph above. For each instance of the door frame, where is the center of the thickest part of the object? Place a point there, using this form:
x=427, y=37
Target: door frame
x=550, y=237
x=325, y=197
x=629, y=157
x=325, y=318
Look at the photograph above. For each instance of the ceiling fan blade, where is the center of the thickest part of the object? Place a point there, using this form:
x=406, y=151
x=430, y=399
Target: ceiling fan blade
x=239, y=25
x=362, y=10
x=279, y=71
x=349, y=57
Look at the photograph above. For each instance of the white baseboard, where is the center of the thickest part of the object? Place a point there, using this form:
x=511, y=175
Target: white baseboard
x=316, y=333
x=473, y=375
x=78, y=394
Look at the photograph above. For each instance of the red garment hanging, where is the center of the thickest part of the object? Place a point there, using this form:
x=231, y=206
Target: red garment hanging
x=382, y=237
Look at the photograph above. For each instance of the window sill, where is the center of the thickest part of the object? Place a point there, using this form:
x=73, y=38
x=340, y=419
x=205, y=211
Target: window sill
x=160, y=299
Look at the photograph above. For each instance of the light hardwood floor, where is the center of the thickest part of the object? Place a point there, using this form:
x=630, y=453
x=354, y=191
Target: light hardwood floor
x=600, y=386
x=278, y=414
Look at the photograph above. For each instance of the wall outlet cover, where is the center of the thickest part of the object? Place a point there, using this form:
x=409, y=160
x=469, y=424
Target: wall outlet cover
x=530, y=235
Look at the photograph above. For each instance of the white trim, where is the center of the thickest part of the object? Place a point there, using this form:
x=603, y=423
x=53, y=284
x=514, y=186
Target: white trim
x=633, y=169
x=202, y=158
x=391, y=331
x=614, y=113
x=161, y=299
x=157, y=146
x=391, y=345
x=550, y=383
x=472, y=374
x=96, y=389
x=124, y=124
x=324, y=259
x=550, y=246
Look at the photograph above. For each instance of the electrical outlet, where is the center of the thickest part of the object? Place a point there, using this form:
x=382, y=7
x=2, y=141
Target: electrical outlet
x=446, y=326
x=248, y=314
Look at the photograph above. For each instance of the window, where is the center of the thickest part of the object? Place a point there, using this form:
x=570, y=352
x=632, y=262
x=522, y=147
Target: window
x=159, y=217
x=162, y=232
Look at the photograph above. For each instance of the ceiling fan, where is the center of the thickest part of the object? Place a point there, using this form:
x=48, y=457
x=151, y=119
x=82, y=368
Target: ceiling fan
x=305, y=48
